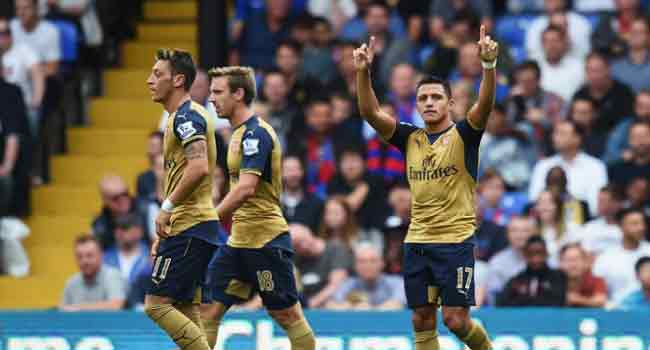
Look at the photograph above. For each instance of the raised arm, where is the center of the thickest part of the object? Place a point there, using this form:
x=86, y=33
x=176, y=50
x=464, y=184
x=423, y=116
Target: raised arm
x=383, y=123
x=480, y=111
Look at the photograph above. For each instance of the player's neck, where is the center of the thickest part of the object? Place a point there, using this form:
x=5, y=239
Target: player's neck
x=435, y=128
x=175, y=101
x=569, y=155
x=240, y=116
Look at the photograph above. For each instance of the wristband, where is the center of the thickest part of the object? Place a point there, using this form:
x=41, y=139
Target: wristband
x=489, y=65
x=167, y=206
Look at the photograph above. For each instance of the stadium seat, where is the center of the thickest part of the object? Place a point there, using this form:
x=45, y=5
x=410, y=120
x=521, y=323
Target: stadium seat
x=70, y=40
x=512, y=29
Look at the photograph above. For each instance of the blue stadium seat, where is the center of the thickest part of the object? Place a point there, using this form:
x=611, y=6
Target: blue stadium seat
x=518, y=53
x=70, y=39
x=512, y=28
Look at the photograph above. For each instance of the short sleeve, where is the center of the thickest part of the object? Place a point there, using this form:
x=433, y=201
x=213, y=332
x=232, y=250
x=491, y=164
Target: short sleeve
x=52, y=52
x=29, y=56
x=401, y=135
x=115, y=286
x=471, y=136
x=189, y=127
x=256, y=148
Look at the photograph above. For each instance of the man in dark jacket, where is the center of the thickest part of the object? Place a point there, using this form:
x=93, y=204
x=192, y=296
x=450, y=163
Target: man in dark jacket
x=537, y=285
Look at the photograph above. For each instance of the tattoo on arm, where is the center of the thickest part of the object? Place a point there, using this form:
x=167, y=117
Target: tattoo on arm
x=196, y=150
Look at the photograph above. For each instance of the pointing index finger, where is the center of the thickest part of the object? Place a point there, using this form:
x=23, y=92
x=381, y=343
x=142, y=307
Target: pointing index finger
x=371, y=43
x=482, y=33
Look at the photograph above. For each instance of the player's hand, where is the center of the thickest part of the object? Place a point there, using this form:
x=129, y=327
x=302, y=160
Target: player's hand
x=163, y=223
x=154, y=247
x=364, y=55
x=489, y=49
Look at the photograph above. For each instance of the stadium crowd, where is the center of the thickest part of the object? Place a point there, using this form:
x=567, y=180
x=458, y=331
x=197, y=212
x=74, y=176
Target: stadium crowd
x=564, y=194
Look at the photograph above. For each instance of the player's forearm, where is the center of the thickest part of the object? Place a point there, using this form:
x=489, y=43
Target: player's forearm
x=366, y=99
x=192, y=177
x=598, y=300
x=11, y=153
x=486, y=97
x=357, y=197
x=38, y=81
x=336, y=278
x=391, y=304
x=234, y=200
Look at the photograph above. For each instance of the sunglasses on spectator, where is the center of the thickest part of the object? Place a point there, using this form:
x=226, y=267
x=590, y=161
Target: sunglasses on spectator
x=114, y=197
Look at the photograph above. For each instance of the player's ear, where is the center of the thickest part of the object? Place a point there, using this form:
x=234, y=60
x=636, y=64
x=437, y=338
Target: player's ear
x=239, y=94
x=178, y=80
x=452, y=102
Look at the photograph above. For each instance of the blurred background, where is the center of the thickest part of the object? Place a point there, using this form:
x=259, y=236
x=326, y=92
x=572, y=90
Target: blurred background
x=565, y=156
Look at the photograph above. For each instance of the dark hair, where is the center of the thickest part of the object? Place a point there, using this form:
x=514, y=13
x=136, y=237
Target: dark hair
x=597, y=55
x=571, y=245
x=554, y=28
x=639, y=263
x=577, y=128
x=304, y=21
x=530, y=64
x=358, y=150
x=318, y=100
x=466, y=15
x=639, y=122
x=379, y=3
x=432, y=79
x=181, y=63
x=614, y=191
x=273, y=71
x=85, y=238
x=643, y=92
x=291, y=44
x=321, y=20
x=535, y=239
x=621, y=215
x=127, y=221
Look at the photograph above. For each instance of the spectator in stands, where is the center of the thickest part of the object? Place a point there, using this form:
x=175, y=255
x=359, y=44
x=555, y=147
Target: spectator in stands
x=556, y=62
x=575, y=211
x=319, y=53
x=323, y=265
x=614, y=99
x=288, y=58
x=490, y=238
x=344, y=80
x=262, y=32
x=371, y=14
x=594, y=5
x=399, y=201
x=583, y=112
x=637, y=194
x=617, y=142
x=583, y=288
x=10, y=142
x=495, y=204
x=130, y=254
x=538, y=284
x=616, y=264
x=28, y=28
x=557, y=13
x=284, y=115
x=152, y=202
x=336, y=12
x=401, y=94
x=603, y=232
x=612, y=29
x=146, y=183
x=442, y=12
x=567, y=141
x=116, y=201
x=96, y=286
x=394, y=233
x=364, y=193
x=22, y=66
x=639, y=300
x=383, y=159
x=510, y=261
x=553, y=223
x=636, y=160
x=298, y=205
x=510, y=150
x=370, y=289
x=469, y=69
x=338, y=223
x=318, y=146
x=633, y=68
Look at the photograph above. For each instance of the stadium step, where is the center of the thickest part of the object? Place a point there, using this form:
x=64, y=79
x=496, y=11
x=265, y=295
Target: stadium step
x=33, y=292
x=50, y=230
x=66, y=200
x=129, y=83
x=170, y=10
x=141, y=55
x=102, y=142
x=89, y=170
x=160, y=33
x=124, y=113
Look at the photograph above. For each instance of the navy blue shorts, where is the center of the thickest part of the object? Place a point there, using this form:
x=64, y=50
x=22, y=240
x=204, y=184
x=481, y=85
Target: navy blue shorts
x=180, y=266
x=235, y=273
x=439, y=274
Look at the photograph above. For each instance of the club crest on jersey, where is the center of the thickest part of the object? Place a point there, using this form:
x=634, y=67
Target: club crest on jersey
x=445, y=140
x=186, y=130
x=251, y=146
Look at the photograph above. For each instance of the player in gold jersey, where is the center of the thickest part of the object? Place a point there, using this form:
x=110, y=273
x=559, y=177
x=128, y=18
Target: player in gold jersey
x=258, y=255
x=187, y=224
x=441, y=167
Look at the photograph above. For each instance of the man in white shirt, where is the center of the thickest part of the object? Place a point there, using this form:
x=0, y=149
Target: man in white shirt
x=557, y=63
x=577, y=26
x=616, y=264
x=43, y=37
x=603, y=232
x=510, y=261
x=22, y=67
x=586, y=175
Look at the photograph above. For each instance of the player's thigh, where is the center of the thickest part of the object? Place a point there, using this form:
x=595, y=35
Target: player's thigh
x=228, y=282
x=420, y=286
x=455, y=271
x=273, y=273
x=179, y=268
